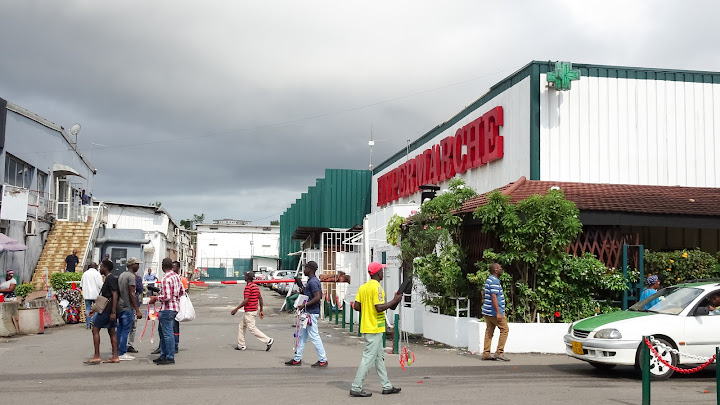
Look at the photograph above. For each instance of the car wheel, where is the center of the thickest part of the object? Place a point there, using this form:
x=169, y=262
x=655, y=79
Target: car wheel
x=658, y=370
x=602, y=366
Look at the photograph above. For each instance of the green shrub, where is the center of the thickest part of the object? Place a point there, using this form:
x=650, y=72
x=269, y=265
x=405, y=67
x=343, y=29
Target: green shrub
x=23, y=290
x=58, y=280
x=681, y=265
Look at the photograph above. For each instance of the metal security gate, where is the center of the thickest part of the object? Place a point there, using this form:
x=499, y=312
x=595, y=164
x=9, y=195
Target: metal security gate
x=341, y=252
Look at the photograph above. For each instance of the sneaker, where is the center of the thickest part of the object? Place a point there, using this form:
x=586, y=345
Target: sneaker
x=156, y=351
x=489, y=358
x=362, y=394
x=176, y=351
x=159, y=359
x=393, y=390
x=269, y=345
x=126, y=357
x=131, y=349
x=292, y=362
x=501, y=357
x=165, y=362
x=240, y=348
x=320, y=364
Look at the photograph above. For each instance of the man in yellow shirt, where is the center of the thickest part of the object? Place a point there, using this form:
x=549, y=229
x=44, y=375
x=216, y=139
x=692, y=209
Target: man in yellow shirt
x=370, y=301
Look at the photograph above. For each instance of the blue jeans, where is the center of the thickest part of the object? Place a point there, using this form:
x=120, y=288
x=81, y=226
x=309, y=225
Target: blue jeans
x=124, y=324
x=311, y=331
x=167, y=344
x=176, y=333
x=88, y=305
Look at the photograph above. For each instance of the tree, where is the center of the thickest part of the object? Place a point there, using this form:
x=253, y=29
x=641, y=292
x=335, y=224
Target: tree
x=534, y=233
x=156, y=204
x=275, y=222
x=190, y=223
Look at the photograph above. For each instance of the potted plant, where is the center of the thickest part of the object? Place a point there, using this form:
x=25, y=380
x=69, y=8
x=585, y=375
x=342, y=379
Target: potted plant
x=23, y=290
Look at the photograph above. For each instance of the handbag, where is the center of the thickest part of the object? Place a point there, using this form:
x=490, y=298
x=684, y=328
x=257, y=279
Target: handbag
x=187, y=311
x=99, y=305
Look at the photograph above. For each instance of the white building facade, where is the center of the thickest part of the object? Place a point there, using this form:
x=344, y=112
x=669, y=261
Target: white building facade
x=166, y=238
x=224, y=250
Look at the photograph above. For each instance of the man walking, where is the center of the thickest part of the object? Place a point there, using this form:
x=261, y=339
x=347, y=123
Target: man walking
x=494, y=312
x=370, y=301
x=128, y=307
x=71, y=261
x=90, y=284
x=313, y=290
x=170, y=292
x=107, y=319
x=253, y=300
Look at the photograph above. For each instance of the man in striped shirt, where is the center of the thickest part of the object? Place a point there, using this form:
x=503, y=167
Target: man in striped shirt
x=170, y=292
x=494, y=312
x=253, y=300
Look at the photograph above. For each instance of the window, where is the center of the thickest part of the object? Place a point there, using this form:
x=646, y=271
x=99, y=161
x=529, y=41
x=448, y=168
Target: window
x=41, y=182
x=17, y=172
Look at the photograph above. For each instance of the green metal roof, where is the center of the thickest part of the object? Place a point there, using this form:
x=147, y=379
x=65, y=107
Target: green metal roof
x=339, y=200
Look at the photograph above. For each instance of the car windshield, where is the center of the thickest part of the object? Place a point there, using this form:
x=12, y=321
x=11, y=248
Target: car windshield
x=670, y=300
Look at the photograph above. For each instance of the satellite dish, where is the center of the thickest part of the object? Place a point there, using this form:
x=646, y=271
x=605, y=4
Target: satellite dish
x=75, y=129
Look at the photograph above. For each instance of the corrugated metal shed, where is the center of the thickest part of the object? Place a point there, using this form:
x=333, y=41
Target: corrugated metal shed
x=339, y=200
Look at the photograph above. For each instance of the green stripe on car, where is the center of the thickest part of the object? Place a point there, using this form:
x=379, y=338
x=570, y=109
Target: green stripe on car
x=588, y=325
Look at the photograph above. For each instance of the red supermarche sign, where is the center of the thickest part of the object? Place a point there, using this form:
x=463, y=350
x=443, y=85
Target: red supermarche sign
x=473, y=145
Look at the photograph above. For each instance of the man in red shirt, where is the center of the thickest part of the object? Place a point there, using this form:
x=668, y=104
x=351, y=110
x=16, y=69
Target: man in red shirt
x=252, y=301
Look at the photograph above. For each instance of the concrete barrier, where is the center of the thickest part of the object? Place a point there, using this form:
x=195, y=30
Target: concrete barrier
x=8, y=310
x=30, y=321
x=51, y=311
x=450, y=330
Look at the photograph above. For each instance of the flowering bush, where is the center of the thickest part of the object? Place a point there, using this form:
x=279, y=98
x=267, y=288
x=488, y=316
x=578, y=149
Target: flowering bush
x=681, y=265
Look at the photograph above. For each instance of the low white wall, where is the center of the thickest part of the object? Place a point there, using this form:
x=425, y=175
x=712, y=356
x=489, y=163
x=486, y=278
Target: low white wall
x=411, y=320
x=522, y=338
x=446, y=329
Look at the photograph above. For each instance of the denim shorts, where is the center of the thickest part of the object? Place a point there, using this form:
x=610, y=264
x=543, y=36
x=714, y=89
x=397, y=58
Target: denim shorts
x=103, y=321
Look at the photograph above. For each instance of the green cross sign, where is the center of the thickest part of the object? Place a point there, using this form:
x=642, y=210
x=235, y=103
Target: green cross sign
x=563, y=75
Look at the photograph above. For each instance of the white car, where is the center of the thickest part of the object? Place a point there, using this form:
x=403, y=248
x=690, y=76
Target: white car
x=678, y=317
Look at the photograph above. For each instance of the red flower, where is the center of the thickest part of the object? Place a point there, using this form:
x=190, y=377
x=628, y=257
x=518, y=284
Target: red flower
x=425, y=227
x=557, y=314
x=438, y=227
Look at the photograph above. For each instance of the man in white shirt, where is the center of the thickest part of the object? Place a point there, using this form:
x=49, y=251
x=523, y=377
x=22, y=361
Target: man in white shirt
x=90, y=284
x=7, y=287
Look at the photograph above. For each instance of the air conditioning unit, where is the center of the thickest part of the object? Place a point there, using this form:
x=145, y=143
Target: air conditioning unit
x=30, y=227
x=51, y=207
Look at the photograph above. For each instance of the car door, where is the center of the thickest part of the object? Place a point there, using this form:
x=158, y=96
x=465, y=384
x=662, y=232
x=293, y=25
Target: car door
x=702, y=333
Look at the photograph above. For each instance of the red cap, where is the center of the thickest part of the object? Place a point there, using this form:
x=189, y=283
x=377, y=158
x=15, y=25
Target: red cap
x=374, y=267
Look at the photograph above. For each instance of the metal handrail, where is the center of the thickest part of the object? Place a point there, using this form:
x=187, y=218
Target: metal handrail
x=91, y=240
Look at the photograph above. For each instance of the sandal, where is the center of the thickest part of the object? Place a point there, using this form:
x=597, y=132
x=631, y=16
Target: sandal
x=92, y=362
x=111, y=361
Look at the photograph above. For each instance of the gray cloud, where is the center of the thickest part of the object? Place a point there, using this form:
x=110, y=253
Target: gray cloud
x=234, y=108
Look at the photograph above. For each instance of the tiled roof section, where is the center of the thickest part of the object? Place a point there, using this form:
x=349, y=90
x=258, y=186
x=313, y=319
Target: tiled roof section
x=617, y=197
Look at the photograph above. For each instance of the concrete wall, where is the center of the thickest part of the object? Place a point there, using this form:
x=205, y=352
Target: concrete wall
x=218, y=243
x=24, y=263
x=522, y=337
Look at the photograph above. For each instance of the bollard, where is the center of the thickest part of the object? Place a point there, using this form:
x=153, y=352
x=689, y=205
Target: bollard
x=359, y=321
x=645, y=366
x=343, y=316
x=717, y=374
x=396, y=335
x=384, y=339
x=351, y=319
x=337, y=312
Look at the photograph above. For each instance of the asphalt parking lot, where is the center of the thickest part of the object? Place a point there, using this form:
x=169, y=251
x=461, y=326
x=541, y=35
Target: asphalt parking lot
x=49, y=368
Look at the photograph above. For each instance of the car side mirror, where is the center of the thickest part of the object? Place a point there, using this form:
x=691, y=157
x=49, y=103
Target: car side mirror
x=701, y=311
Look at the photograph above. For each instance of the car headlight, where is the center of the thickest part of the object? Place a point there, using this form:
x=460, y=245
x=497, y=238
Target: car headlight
x=608, y=334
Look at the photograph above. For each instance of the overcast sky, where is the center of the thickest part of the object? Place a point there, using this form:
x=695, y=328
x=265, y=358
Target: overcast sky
x=234, y=108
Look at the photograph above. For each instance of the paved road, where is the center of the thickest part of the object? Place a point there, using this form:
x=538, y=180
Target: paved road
x=49, y=368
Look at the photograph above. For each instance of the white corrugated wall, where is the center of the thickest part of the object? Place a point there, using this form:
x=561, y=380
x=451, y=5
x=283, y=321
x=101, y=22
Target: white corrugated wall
x=629, y=131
